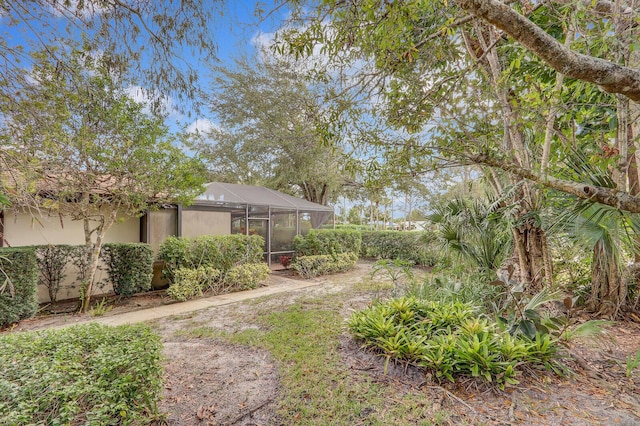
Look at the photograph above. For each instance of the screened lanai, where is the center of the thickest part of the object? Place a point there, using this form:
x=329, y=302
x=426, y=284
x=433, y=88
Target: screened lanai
x=225, y=208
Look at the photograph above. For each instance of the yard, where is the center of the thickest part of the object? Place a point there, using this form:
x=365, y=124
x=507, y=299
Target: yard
x=288, y=359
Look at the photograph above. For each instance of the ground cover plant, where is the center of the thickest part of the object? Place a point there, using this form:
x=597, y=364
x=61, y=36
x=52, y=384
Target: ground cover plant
x=451, y=339
x=90, y=374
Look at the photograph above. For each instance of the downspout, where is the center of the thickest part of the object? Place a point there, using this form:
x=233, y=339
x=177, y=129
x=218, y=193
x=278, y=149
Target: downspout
x=179, y=221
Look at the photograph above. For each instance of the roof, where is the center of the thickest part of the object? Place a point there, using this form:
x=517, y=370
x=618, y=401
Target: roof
x=218, y=193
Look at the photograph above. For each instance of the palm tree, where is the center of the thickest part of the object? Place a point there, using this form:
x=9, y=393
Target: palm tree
x=474, y=230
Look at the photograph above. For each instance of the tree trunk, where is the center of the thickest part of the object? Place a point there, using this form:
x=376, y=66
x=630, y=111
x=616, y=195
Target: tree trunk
x=530, y=246
x=608, y=294
x=94, y=255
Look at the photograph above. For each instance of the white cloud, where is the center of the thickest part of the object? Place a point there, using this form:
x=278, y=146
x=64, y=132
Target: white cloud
x=89, y=10
x=151, y=101
x=202, y=126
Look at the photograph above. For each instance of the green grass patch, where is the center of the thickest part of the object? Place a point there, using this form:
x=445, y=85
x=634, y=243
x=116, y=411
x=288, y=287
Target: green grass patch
x=201, y=332
x=316, y=386
x=87, y=374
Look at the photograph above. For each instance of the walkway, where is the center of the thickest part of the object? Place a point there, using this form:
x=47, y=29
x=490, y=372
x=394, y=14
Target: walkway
x=276, y=286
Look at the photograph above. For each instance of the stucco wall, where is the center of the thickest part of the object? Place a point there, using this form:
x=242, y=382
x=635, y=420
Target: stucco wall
x=21, y=229
x=198, y=222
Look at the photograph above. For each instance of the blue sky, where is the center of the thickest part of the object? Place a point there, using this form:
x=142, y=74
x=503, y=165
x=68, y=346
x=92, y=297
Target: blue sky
x=232, y=30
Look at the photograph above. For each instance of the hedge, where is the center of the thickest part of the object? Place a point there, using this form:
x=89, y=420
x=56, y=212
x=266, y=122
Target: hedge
x=18, y=284
x=130, y=267
x=327, y=242
x=411, y=246
x=247, y=276
x=313, y=266
x=192, y=282
x=221, y=252
x=89, y=374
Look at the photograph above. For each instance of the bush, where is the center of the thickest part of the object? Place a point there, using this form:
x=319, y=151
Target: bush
x=327, y=242
x=221, y=252
x=18, y=284
x=130, y=267
x=313, y=266
x=52, y=264
x=192, y=282
x=411, y=246
x=246, y=276
x=88, y=374
x=450, y=339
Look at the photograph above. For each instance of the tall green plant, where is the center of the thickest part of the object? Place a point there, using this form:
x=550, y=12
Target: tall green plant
x=474, y=231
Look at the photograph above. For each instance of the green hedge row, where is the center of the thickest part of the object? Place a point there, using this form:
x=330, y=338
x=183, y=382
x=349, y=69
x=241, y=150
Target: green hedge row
x=193, y=282
x=221, y=252
x=18, y=284
x=89, y=374
x=411, y=246
x=314, y=266
x=130, y=267
x=327, y=242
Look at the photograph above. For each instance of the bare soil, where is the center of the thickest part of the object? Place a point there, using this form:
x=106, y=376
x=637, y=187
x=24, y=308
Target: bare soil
x=209, y=382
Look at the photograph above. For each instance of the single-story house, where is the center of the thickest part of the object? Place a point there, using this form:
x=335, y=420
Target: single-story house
x=223, y=208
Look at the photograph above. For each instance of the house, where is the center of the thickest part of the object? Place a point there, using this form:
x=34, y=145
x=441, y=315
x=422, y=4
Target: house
x=223, y=208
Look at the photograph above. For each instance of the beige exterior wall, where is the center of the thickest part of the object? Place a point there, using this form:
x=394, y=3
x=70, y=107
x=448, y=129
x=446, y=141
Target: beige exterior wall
x=198, y=222
x=21, y=229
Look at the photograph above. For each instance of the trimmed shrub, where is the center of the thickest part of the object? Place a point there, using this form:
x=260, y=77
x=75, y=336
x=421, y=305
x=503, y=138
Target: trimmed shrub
x=192, y=282
x=18, y=284
x=327, y=242
x=52, y=264
x=411, y=246
x=130, y=267
x=247, y=276
x=222, y=252
x=313, y=266
x=89, y=374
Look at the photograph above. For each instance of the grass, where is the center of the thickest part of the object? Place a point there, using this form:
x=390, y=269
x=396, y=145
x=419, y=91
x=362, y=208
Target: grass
x=317, y=387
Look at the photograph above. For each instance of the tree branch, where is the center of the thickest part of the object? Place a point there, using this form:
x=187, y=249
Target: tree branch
x=608, y=196
x=610, y=76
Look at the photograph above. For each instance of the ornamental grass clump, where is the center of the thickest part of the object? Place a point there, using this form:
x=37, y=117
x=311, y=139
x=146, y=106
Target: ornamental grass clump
x=450, y=339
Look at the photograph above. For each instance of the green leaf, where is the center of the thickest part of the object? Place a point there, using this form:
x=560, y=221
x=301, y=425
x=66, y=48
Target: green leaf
x=528, y=329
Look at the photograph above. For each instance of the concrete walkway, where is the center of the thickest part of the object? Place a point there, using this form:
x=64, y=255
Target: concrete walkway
x=282, y=285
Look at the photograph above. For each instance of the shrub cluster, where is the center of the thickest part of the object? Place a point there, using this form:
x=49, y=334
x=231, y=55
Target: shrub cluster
x=18, y=284
x=89, y=374
x=247, y=276
x=313, y=266
x=130, y=267
x=221, y=252
x=449, y=339
x=410, y=246
x=192, y=282
x=327, y=242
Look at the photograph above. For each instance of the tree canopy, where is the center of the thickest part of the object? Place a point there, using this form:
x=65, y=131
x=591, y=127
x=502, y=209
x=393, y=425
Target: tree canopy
x=270, y=118
x=80, y=146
